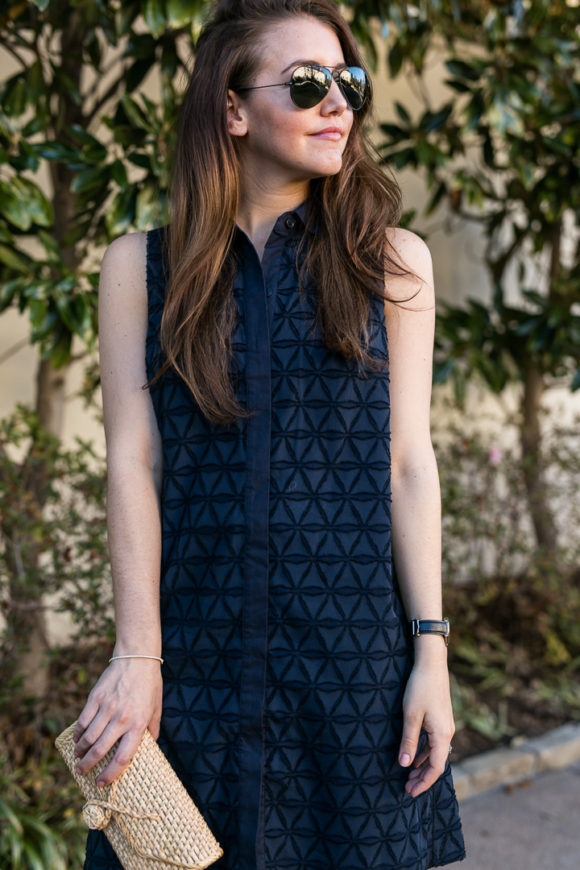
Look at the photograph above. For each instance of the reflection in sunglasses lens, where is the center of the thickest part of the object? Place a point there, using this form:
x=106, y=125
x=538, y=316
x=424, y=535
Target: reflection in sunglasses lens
x=310, y=84
x=307, y=94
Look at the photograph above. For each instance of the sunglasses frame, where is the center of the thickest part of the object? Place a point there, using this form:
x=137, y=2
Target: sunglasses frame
x=333, y=76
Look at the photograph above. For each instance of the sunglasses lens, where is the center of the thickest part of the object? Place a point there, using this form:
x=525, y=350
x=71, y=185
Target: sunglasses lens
x=309, y=86
x=353, y=84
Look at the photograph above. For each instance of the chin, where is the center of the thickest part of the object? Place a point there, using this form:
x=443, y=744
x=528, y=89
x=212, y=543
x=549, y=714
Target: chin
x=327, y=167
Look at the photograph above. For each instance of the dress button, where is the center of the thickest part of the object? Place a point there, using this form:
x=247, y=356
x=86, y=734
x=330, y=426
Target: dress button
x=269, y=291
x=290, y=223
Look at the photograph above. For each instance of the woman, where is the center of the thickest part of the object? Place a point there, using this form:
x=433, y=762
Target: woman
x=253, y=535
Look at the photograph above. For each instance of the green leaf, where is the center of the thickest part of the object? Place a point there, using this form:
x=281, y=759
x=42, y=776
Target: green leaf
x=91, y=179
x=432, y=121
x=51, y=150
x=154, y=15
x=395, y=59
x=8, y=290
x=462, y=70
x=169, y=60
x=37, y=124
x=135, y=113
x=93, y=49
x=43, y=319
x=402, y=113
x=459, y=86
x=141, y=160
x=27, y=158
x=67, y=86
x=394, y=133
x=126, y=16
x=93, y=151
x=440, y=192
x=15, y=97
x=23, y=203
x=137, y=72
x=119, y=173
x=50, y=245
x=180, y=13
x=122, y=213
x=60, y=349
x=7, y=813
x=35, y=81
x=14, y=259
x=147, y=206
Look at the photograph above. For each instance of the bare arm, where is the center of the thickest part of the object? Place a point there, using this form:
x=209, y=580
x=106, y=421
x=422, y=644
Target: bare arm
x=127, y=697
x=416, y=508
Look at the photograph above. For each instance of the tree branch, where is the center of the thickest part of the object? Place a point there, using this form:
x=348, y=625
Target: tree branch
x=104, y=71
x=9, y=48
x=109, y=93
x=13, y=349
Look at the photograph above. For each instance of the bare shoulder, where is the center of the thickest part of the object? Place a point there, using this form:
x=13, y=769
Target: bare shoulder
x=123, y=280
x=409, y=251
x=125, y=258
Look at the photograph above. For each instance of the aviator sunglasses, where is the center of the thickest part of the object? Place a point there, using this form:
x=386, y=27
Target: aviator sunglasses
x=309, y=84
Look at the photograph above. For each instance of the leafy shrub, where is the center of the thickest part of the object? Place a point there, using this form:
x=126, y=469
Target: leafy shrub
x=53, y=553
x=515, y=655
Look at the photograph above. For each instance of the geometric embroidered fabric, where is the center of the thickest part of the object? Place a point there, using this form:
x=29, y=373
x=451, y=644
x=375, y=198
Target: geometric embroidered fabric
x=284, y=635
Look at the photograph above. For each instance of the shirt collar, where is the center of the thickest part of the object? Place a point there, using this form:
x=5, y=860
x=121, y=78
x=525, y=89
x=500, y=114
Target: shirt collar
x=301, y=212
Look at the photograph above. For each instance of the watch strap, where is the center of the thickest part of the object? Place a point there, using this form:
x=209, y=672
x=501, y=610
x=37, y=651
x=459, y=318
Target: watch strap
x=430, y=626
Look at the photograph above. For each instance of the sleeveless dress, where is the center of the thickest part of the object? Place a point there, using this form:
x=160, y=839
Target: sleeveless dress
x=285, y=640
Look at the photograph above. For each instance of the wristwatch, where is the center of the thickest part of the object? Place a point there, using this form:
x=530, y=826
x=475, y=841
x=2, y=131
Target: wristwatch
x=430, y=626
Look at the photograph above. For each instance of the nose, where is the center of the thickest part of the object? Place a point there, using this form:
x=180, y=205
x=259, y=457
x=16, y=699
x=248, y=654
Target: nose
x=334, y=102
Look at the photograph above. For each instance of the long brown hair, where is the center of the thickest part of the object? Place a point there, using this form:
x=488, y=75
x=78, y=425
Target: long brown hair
x=346, y=258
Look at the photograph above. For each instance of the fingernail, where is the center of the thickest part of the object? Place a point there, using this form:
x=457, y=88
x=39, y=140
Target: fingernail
x=75, y=739
x=405, y=759
x=101, y=783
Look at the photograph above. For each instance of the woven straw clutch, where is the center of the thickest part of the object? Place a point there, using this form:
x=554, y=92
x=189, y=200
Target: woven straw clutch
x=147, y=815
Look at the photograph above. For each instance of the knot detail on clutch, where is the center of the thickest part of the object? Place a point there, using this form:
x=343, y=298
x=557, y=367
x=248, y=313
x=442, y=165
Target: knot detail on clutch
x=97, y=814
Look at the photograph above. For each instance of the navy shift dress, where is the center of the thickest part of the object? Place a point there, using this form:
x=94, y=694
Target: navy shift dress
x=285, y=640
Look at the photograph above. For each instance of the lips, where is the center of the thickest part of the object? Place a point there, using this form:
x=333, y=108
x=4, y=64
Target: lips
x=334, y=133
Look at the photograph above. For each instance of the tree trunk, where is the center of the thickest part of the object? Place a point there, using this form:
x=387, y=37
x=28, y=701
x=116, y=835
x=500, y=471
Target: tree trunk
x=50, y=396
x=28, y=631
x=533, y=465
x=29, y=628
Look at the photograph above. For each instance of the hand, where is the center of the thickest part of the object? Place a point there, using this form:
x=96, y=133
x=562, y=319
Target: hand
x=427, y=704
x=124, y=702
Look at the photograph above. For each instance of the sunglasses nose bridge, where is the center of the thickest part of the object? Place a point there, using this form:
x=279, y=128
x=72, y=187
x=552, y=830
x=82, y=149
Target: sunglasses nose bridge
x=334, y=77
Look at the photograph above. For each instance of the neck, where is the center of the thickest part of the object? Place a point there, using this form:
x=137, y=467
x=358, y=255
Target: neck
x=260, y=205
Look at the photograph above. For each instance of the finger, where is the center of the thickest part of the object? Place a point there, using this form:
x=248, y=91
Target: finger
x=127, y=748
x=110, y=733
x=422, y=778
x=410, y=738
x=88, y=713
x=154, y=725
x=92, y=734
x=422, y=756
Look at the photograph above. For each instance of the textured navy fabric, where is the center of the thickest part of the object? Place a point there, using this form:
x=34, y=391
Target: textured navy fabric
x=284, y=635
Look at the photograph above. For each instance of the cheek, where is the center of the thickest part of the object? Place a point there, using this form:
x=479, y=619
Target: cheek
x=289, y=132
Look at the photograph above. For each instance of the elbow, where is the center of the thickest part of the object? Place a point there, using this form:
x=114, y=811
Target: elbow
x=130, y=466
x=414, y=464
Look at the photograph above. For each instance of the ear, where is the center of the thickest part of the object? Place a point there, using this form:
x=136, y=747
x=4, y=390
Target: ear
x=237, y=120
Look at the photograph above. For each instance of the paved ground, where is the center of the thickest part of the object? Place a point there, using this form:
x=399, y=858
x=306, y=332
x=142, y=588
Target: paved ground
x=534, y=825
